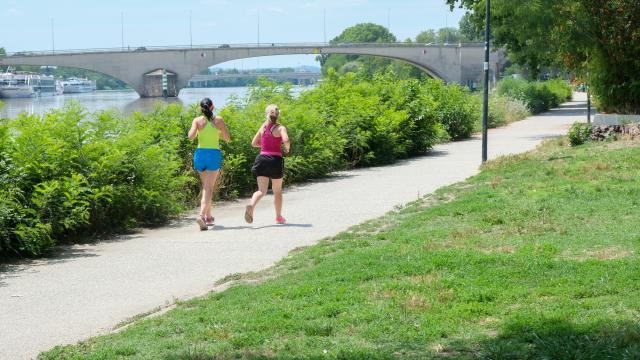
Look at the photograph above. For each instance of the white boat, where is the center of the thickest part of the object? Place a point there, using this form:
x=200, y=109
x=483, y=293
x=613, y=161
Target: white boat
x=78, y=85
x=25, y=85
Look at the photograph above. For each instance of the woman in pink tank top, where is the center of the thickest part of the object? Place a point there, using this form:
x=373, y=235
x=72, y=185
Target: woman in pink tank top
x=269, y=164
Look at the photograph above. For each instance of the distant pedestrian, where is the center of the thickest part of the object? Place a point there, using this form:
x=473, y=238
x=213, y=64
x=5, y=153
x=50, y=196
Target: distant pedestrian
x=269, y=164
x=207, y=158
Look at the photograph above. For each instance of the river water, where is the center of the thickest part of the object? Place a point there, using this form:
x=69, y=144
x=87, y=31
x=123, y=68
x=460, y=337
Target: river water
x=126, y=101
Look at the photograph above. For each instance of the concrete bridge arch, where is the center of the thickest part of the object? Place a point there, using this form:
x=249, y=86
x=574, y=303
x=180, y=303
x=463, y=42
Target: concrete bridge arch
x=460, y=63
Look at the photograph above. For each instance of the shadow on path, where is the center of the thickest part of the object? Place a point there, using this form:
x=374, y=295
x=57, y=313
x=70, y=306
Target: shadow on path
x=13, y=268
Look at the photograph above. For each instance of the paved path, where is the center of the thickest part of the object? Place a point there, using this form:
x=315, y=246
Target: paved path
x=88, y=289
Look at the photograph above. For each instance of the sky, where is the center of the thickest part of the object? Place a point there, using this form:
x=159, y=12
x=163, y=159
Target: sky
x=26, y=25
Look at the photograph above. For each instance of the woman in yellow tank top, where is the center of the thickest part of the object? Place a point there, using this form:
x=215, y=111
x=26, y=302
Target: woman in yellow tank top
x=207, y=158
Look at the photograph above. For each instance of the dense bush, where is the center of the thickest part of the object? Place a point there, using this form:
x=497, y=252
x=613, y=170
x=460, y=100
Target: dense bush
x=539, y=96
x=504, y=110
x=455, y=108
x=68, y=174
x=579, y=133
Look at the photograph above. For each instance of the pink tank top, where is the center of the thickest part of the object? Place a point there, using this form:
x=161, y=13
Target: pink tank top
x=269, y=144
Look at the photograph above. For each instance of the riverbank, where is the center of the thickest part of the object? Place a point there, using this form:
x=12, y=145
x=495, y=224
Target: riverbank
x=137, y=273
x=520, y=261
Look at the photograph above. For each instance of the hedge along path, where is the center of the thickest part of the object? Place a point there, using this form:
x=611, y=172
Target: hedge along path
x=88, y=290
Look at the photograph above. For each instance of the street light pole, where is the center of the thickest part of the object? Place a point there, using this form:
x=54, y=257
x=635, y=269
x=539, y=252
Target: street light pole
x=190, y=31
x=588, y=94
x=122, y=28
x=324, y=25
x=53, y=41
x=389, y=19
x=485, y=100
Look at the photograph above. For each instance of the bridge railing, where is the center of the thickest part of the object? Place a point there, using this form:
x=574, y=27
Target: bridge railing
x=129, y=49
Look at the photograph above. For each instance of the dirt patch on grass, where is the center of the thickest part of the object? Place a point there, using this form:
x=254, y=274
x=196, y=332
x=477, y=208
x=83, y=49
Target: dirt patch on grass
x=502, y=249
x=427, y=279
x=466, y=233
x=495, y=182
x=430, y=200
x=373, y=228
x=606, y=253
x=416, y=303
x=623, y=141
x=441, y=245
x=597, y=166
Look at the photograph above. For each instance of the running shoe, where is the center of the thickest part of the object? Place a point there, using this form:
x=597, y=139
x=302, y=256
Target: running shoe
x=248, y=214
x=210, y=220
x=201, y=223
x=280, y=220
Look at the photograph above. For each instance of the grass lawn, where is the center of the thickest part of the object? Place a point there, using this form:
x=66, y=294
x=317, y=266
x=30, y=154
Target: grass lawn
x=534, y=258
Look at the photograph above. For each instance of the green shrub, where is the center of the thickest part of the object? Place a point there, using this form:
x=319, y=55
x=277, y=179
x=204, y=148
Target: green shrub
x=68, y=174
x=539, y=96
x=503, y=110
x=579, y=133
x=454, y=108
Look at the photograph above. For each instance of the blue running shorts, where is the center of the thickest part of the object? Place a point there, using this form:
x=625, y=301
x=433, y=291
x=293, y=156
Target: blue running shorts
x=207, y=159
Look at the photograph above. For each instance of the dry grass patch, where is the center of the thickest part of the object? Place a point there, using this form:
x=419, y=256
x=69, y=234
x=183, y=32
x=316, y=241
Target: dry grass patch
x=623, y=141
x=427, y=279
x=445, y=295
x=441, y=245
x=416, y=303
x=606, y=253
x=502, y=249
x=465, y=233
x=600, y=166
x=495, y=182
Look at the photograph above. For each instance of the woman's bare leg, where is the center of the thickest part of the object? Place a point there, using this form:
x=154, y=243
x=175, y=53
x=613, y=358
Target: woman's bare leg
x=212, y=176
x=263, y=187
x=276, y=186
x=203, y=200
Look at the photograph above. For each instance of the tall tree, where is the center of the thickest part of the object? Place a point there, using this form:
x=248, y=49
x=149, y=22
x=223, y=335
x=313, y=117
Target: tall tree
x=469, y=31
x=596, y=39
x=360, y=33
x=448, y=35
x=427, y=36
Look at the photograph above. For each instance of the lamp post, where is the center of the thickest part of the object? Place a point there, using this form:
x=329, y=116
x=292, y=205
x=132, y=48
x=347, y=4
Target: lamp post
x=588, y=94
x=324, y=26
x=485, y=100
x=122, y=29
x=53, y=40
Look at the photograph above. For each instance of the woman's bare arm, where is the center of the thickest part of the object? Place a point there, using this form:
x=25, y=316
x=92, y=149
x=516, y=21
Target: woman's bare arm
x=257, y=139
x=223, y=128
x=285, y=138
x=194, y=129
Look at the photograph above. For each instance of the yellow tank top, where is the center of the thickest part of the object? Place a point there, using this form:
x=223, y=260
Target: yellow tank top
x=209, y=137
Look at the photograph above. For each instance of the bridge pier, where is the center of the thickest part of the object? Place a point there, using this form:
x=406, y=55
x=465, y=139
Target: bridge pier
x=160, y=83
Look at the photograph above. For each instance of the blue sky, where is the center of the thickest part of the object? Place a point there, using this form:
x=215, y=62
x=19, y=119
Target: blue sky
x=26, y=24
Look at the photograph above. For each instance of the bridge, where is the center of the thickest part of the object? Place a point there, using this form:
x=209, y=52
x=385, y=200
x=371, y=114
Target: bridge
x=300, y=77
x=146, y=68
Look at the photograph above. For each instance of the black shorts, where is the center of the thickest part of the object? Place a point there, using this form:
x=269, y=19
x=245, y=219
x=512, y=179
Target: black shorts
x=271, y=166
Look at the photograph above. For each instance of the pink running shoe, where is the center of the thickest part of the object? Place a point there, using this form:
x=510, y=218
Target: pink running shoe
x=210, y=220
x=280, y=220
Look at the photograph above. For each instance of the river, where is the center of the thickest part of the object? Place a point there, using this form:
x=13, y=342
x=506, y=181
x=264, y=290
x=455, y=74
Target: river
x=126, y=101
